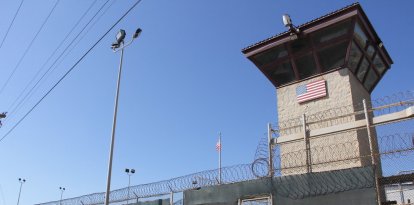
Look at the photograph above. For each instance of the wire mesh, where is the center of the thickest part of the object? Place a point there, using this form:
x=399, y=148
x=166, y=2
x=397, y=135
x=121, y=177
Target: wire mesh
x=343, y=157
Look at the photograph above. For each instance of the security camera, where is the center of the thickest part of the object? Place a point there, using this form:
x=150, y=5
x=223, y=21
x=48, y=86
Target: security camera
x=287, y=21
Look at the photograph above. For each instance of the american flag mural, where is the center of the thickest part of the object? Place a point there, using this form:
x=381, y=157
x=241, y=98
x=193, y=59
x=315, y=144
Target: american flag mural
x=311, y=91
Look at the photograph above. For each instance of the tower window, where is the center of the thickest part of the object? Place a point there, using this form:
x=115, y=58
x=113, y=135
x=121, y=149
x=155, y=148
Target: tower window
x=360, y=36
x=332, y=32
x=271, y=55
x=299, y=45
x=306, y=66
x=371, y=79
x=333, y=56
x=370, y=51
x=379, y=64
x=282, y=73
x=354, y=57
x=363, y=68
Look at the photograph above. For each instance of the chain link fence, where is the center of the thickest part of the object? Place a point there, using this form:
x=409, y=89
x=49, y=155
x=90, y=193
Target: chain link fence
x=344, y=148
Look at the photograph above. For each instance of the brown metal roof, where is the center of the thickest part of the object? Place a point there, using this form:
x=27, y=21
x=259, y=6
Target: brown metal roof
x=301, y=27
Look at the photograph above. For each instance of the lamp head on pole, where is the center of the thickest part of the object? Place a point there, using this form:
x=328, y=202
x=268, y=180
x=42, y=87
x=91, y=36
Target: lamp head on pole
x=130, y=171
x=3, y=115
x=120, y=36
x=137, y=33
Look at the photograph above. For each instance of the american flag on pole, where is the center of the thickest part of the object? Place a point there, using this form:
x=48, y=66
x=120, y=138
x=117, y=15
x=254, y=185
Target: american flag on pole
x=311, y=91
x=218, y=145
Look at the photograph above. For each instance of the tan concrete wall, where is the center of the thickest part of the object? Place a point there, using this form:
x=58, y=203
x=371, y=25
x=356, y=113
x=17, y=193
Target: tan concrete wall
x=339, y=94
x=359, y=93
x=331, y=152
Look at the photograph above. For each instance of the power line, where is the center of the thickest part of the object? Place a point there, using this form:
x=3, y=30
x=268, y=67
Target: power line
x=73, y=67
x=11, y=23
x=54, y=65
x=28, y=48
x=47, y=61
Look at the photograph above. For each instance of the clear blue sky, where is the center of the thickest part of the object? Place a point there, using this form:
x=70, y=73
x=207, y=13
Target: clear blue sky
x=184, y=80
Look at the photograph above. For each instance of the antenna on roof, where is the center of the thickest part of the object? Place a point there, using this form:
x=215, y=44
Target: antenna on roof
x=287, y=21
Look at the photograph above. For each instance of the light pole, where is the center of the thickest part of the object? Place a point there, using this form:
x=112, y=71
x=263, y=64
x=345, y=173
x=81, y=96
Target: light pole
x=118, y=45
x=400, y=185
x=62, y=189
x=21, y=181
x=129, y=172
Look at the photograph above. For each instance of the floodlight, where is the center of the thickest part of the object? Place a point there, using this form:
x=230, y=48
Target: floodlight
x=120, y=36
x=132, y=171
x=287, y=21
x=21, y=181
x=127, y=170
x=137, y=33
x=115, y=45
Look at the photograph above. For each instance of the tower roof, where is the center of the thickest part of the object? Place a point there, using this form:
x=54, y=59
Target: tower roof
x=281, y=57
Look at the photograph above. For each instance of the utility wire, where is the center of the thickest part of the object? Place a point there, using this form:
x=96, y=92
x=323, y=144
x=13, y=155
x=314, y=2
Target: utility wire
x=28, y=48
x=71, y=69
x=11, y=23
x=47, y=61
x=54, y=65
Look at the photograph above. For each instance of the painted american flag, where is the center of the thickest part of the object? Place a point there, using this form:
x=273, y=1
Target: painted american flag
x=310, y=91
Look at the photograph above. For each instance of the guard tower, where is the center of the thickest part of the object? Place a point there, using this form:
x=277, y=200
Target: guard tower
x=332, y=61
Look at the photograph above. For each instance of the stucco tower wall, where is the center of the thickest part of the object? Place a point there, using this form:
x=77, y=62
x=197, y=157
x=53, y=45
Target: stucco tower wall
x=343, y=90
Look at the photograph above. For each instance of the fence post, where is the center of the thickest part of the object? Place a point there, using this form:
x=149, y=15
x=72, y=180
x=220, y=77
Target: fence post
x=368, y=126
x=307, y=145
x=136, y=196
x=371, y=147
x=401, y=193
x=270, y=150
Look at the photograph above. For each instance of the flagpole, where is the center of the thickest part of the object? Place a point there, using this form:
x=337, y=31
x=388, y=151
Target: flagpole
x=220, y=158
